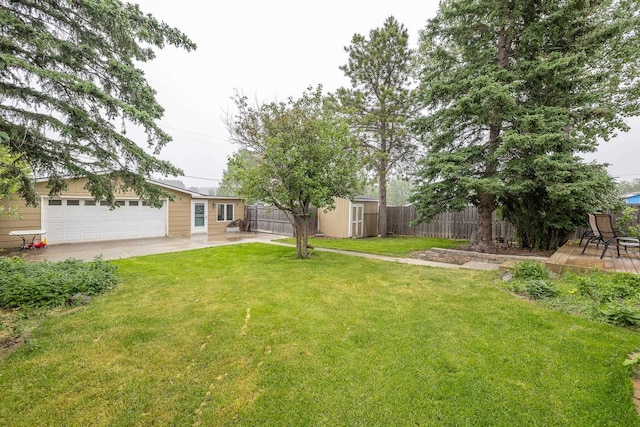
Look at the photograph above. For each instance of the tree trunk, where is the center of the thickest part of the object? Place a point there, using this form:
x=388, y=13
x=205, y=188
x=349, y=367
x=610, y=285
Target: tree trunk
x=484, y=240
x=298, y=233
x=300, y=227
x=382, y=202
x=487, y=200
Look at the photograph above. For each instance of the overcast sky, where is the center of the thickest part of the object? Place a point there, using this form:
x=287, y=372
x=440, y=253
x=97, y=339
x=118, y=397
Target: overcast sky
x=270, y=50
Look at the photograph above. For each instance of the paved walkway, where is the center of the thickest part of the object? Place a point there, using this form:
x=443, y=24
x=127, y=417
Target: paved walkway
x=119, y=249
x=411, y=261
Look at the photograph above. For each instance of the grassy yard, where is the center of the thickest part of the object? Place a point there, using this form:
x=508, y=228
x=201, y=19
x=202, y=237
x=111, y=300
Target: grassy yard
x=392, y=246
x=248, y=335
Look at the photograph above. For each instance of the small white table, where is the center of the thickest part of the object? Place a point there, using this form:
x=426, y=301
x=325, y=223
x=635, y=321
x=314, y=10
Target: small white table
x=22, y=233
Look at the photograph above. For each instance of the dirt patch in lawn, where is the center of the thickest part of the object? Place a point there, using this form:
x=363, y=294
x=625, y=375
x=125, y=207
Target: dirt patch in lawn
x=9, y=343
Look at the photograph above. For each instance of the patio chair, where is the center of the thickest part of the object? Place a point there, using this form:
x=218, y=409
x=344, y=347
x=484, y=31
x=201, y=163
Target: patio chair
x=610, y=237
x=592, y=235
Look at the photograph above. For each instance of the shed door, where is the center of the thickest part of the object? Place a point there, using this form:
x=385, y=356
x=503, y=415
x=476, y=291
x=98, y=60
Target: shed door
x=357, y=220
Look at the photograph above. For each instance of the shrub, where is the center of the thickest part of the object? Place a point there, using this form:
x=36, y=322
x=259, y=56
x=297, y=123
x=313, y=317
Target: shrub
x=621, y=313
x=538, y=289
x=531, y=270
x=604, y=288
x=47, y=284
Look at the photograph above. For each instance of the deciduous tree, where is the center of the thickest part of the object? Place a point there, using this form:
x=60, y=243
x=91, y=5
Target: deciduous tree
x=69, y=81
x=305, y=156
x=380, y=102
x=230, y=186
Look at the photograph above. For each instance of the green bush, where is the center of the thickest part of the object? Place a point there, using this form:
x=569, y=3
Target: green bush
x=538, y=289
x=531, y=270
x=621, y=313
x=604, y=288
x=46, y=284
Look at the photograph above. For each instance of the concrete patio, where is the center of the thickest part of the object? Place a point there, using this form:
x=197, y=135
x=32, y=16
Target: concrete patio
x=117, y=249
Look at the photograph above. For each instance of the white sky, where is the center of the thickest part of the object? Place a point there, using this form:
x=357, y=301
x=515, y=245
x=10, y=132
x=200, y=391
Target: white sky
x=270, y=50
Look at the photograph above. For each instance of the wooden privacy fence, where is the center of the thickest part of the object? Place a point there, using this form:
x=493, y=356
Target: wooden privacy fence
x=269, y=219
x=461, y=225
x=448, y=225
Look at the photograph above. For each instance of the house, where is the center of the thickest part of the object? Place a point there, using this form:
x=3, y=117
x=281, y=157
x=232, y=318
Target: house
x=75, y=216
x=357, y=218
x=632, y=199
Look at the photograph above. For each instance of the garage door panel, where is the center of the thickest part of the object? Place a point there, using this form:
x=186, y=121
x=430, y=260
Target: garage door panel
x=85, y=222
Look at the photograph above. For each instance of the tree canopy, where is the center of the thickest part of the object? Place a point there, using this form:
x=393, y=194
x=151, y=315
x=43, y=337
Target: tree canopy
x=380, y=102
x=70, y=84
x=303, y=155
x=514, y=91
x=230, y=186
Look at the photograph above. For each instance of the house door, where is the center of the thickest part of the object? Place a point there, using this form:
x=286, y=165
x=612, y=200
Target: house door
x=357, y=220
x=198, y=217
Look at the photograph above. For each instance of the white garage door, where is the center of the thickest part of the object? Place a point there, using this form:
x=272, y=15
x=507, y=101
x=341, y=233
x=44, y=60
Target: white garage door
x=79, y=220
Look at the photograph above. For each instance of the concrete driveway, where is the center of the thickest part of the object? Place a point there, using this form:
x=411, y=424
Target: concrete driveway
x=117, y=249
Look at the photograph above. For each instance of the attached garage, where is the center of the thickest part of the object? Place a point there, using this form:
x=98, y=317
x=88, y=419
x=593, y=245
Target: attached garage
x=73, y=220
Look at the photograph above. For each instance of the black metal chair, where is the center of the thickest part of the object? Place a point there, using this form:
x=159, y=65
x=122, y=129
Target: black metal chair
x=609, y=236
x=592, y=235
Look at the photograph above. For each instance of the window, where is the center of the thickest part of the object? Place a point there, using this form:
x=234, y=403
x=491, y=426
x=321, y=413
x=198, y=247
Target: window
x=133, y=203
x=120, y=202
x=55, y=202
x=104, y=203
x=225, y=212
x=89, y=202
x=73, y=202
x=144, y=203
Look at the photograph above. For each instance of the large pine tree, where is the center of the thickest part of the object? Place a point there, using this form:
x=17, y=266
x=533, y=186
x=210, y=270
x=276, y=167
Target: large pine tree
x=514, y=92
x=380, y=103
x=69, y=81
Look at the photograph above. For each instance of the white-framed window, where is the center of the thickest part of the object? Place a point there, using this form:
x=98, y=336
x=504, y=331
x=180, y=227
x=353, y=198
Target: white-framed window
x=225, y=211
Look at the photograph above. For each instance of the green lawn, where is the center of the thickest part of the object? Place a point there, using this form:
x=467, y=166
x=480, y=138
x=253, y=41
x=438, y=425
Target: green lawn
x=392, y=246
x=248, y=335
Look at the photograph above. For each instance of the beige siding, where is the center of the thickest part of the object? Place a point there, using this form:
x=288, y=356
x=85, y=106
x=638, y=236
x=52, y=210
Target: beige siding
x=180, y=214
x=179, y=221
x=29, y=220
x=216, y=226
x=335, y=223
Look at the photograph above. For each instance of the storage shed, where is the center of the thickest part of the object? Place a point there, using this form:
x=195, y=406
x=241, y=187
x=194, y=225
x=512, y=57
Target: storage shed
x=357, y=218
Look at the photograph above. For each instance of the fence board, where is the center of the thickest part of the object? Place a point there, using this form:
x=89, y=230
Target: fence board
x=268, y=219
x=448, y=225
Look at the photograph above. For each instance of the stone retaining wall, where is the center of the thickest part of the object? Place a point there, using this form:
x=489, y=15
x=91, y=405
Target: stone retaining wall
x=454, y=256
